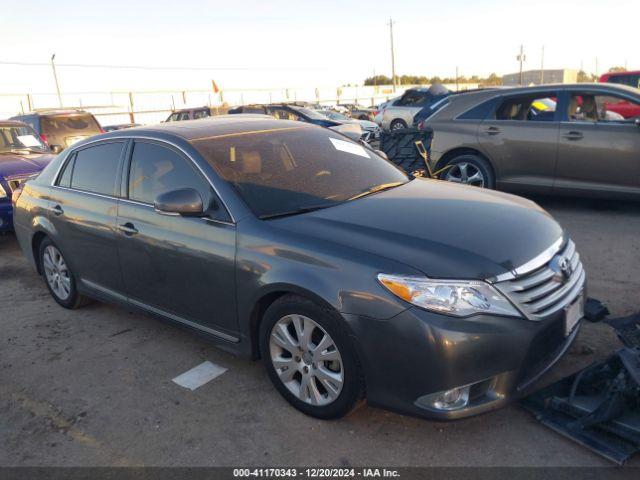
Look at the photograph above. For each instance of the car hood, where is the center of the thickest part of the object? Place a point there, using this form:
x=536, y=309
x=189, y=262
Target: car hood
x=443, y=230
x=351, y=130
x=14, y=164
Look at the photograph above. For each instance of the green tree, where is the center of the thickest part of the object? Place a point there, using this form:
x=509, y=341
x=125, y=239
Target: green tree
x=378, y=80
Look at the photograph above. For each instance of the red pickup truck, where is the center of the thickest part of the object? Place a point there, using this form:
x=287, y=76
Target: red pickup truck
x=632, y=79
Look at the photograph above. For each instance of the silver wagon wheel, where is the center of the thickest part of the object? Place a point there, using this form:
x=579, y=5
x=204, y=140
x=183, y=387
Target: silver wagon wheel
x=57, y=273
x=467, y=173
x=306, y=360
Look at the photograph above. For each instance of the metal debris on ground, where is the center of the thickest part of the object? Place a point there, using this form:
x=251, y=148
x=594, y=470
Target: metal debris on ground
x=599, y=407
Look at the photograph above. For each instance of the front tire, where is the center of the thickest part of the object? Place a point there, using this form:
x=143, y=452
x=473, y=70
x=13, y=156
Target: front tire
x=310, y=359
x=469, y=169
x=58, y=276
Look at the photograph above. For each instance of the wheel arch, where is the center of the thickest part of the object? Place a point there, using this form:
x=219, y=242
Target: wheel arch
x=36, y=241
x=455, y=152
x=266, y=298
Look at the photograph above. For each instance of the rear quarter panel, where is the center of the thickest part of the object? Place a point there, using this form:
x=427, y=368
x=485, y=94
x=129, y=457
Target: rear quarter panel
x=31, y=215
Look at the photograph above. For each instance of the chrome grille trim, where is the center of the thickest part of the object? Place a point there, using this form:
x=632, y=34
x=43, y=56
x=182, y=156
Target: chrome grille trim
x=538, y=293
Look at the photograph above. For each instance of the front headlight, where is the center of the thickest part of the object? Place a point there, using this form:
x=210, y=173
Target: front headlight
x=3, y=193
x=452, y=297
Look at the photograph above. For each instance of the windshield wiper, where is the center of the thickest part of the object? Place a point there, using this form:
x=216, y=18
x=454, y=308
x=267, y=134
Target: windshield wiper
x=376, y=189
x=296, y=211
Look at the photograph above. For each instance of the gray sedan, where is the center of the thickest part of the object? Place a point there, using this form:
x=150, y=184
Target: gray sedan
x=287, y=241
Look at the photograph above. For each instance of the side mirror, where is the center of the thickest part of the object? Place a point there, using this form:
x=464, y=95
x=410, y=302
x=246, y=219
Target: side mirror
x=184, y=201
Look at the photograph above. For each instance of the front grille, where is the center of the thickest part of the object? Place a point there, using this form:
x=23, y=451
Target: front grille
x=544, y=290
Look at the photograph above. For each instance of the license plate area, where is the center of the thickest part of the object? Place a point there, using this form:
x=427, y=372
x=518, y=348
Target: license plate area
x=573, y=313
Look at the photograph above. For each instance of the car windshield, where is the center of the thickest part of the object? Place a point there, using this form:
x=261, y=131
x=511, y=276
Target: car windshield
x=15, y=137
x=291, y=169
x=335, y=115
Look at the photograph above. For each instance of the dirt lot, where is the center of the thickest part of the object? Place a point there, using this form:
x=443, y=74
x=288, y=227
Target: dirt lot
x=93, y=386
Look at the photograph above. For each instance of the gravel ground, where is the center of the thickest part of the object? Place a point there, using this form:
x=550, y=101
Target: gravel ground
x=93, y=386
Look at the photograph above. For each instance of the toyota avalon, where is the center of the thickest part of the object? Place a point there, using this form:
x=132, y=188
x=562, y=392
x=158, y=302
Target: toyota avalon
x=288, y=242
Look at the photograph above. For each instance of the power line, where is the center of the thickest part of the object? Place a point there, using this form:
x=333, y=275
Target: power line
x=156, y=67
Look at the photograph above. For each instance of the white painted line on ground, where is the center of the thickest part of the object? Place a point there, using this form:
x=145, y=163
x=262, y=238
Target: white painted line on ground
x=198, y=376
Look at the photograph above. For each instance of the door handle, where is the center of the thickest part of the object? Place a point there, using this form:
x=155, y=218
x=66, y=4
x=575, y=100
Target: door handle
x=128, y=229
x=573, y=136
x=492, y=130
x=57, y=210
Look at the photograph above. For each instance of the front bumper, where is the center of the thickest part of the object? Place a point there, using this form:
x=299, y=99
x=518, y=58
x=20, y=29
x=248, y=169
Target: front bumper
x=418, y=353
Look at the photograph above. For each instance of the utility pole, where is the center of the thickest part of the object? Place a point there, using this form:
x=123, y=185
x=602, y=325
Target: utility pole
x=55, y=77
x=393, y=56
x=521, y=58
x=596, y=68
x=542, y=67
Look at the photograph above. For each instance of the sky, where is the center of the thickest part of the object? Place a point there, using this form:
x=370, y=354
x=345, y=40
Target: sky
x=304, y=43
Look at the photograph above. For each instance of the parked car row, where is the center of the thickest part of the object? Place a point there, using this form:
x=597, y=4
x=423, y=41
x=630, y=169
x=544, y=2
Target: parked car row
x=296, y=245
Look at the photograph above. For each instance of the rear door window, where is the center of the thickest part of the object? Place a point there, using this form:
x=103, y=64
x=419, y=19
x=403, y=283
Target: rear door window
x=527, y=108
x=201, y=114
x=94, y=169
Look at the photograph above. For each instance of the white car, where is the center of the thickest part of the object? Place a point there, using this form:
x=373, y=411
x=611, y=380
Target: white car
x=399, y=112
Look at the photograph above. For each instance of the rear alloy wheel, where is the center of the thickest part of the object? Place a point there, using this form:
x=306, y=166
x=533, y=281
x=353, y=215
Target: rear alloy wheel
x=58, y=276
x=310, y=359
x=397, y=124
x=469, y=169
x=56, y=272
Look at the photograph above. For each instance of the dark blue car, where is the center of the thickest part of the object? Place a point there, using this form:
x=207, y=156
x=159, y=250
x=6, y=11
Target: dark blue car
x=22, y=155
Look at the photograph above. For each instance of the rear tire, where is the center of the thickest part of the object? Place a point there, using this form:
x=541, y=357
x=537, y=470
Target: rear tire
x=397, y=124
x=469, y=169
x=310, y=358
x=58, y=276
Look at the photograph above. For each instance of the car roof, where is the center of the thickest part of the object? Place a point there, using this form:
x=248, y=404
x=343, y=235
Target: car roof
x=55, y=111
x=565, y=86
x=219, y=125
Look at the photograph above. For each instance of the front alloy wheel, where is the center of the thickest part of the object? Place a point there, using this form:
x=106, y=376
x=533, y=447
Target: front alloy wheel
x=306, y=359
x=310, y=357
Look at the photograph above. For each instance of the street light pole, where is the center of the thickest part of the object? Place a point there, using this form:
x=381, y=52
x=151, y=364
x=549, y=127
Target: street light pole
x=393, y=56
x=55, y=77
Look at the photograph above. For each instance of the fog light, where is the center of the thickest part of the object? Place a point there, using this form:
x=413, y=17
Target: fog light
x=453, y=399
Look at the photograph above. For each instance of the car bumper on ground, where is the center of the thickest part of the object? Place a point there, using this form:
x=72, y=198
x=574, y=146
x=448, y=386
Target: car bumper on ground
x=416, y=354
